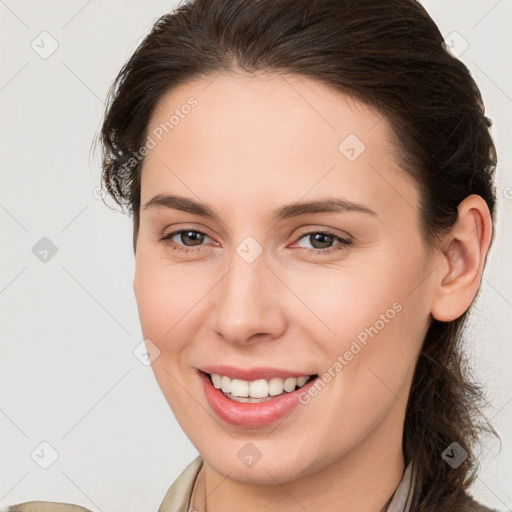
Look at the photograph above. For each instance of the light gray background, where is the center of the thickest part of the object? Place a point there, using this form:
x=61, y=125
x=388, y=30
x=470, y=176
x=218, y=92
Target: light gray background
x=69, y=325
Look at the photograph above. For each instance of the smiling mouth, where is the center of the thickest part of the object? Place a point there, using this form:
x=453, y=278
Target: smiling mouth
x=257, y=391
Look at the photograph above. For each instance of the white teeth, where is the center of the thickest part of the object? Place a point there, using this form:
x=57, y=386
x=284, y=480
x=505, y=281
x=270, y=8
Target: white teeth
x=301, y=381
x=216, y=379
x=289, y=384
x=260, y=388
x=225, y=384
x=239, y=387
x=275, y=386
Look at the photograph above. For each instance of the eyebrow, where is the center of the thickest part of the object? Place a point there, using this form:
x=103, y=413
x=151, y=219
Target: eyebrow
x=327, y=205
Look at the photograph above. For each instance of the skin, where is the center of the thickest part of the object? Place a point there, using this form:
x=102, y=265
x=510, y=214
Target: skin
x=253, y=144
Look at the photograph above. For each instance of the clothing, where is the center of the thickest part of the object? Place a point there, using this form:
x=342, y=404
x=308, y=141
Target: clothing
x=178, y=496
x=46, y=506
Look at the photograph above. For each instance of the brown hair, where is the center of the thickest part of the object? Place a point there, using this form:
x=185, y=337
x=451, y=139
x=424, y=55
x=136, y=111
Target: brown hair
x=390, y=55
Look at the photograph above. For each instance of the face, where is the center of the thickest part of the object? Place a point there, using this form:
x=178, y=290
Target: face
x=261, y=291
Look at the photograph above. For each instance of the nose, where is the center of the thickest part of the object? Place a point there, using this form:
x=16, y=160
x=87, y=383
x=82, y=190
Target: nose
x=249, y=303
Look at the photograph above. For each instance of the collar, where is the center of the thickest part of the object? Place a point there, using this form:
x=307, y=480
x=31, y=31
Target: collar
x=177, y=498
x=401, y=501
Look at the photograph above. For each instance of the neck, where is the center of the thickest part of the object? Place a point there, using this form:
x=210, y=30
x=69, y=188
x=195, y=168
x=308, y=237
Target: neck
x=363, y=479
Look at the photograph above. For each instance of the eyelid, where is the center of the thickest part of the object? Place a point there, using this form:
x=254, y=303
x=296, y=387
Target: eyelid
x=201, y=230
x=318, y=229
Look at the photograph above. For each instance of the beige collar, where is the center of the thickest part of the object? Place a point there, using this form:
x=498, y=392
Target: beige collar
x=177, y=498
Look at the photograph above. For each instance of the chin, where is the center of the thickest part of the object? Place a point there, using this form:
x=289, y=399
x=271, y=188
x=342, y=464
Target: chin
x=269, y=464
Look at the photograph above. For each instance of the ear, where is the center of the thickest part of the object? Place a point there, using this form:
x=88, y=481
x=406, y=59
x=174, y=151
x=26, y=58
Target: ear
x=461, y=259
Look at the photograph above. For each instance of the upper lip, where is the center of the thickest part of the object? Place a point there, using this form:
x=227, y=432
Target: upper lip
x=254, y=373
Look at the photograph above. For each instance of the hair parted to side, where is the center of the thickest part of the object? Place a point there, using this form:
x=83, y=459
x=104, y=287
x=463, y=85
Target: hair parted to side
x=390, y=55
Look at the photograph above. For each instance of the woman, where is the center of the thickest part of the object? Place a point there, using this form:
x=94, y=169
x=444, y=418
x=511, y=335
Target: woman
x=311, y=187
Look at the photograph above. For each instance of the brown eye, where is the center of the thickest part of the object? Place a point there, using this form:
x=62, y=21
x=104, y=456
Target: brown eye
x=185, y=238
x=322, y=242
x=195, y=237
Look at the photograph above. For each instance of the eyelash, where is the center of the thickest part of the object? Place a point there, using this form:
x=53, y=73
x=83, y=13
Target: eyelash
x=343, y=241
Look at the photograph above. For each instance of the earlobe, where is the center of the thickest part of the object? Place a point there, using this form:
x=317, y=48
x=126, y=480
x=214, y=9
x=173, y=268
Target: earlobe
x=462, y=260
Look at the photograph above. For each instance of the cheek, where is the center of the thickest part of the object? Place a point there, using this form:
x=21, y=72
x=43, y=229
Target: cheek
x=374, y=317
x=347, y=302
x=165, y=298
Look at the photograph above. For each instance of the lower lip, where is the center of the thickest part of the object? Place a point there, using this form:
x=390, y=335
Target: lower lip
x=251, y=415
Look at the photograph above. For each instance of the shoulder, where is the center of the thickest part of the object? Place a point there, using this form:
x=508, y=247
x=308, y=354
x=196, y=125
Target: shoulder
x=469, y=504
x=178, y=497
x=46, y=506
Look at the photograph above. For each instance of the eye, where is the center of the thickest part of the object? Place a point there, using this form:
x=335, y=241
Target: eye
x=185, y=236
x=190, y=240
x=321, y=239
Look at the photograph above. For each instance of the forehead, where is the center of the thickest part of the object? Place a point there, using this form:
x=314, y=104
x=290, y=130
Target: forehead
x=273, y=137
x=289, y=105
